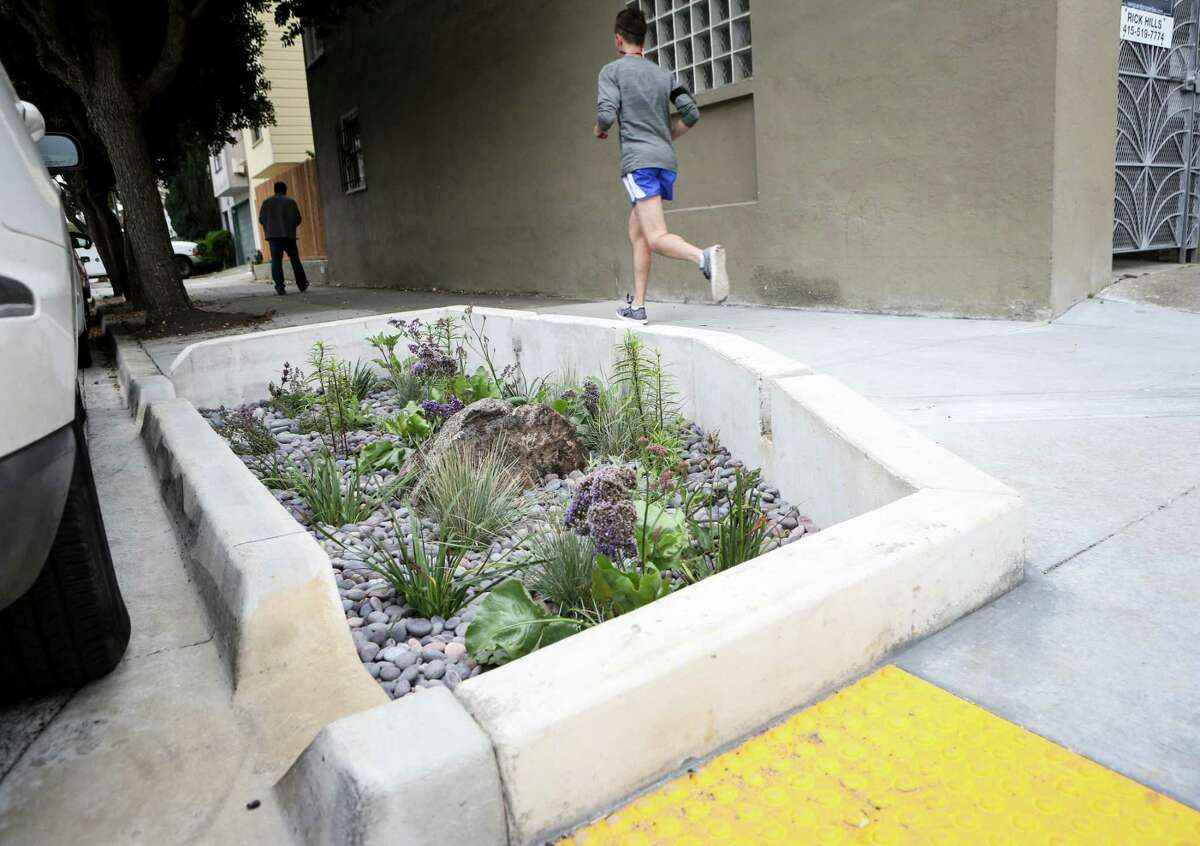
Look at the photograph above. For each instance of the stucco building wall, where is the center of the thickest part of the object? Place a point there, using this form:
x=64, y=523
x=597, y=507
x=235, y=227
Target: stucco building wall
x=949, y=156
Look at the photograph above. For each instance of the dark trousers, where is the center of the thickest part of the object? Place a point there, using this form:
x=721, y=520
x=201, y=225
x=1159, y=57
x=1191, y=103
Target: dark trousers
x=279, y=247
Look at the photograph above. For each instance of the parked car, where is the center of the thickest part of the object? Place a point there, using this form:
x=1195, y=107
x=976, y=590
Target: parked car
x=187, y=257
x=62, y=618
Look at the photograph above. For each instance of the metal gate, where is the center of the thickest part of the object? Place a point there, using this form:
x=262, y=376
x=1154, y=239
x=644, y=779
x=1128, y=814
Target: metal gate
x=1158, y=148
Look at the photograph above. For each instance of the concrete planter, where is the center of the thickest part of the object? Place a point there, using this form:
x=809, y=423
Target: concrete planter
x=912, y=539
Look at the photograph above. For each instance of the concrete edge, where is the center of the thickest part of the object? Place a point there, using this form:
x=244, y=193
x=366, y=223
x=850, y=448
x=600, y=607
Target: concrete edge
x=417, y=770
x=140, y=380
x=809, y=617
x=266, y=584
x=917, y=561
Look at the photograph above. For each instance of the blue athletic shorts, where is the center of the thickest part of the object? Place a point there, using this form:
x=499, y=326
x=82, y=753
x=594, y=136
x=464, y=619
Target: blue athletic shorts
x=649, y=182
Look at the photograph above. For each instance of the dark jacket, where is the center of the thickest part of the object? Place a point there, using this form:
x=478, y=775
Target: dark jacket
x=279, y=216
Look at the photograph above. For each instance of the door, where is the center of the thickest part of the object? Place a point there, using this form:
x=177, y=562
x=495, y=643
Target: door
x=243, y=232
x=1156, y=187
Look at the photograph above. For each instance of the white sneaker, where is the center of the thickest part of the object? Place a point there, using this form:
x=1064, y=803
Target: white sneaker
x=713, y=268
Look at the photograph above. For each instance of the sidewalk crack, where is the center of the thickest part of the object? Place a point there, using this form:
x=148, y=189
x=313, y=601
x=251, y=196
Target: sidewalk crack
x=175, y=648
x=1122, y=529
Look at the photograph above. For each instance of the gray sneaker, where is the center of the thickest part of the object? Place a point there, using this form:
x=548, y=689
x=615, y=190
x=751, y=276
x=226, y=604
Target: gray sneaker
x=713, y=268
x=634, y=315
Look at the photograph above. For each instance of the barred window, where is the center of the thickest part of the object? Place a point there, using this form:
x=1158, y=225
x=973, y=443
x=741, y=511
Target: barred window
x=705, y=43
x=350, y=154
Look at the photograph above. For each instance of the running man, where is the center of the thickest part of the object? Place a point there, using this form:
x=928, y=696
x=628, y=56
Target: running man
x=638, y=94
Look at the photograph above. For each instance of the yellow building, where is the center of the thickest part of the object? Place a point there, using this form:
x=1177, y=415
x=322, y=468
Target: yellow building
x=281, y=152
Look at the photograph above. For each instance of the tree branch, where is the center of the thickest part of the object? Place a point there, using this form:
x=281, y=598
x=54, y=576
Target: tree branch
x=50, y=42
x=179, y=18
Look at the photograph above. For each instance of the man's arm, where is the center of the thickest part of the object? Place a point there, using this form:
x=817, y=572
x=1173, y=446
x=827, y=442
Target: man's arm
x=689, y=112
x=296, y=212
x=608, y=103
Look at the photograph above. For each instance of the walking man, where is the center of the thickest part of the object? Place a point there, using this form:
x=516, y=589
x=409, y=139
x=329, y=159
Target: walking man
x=637, y=94
x=279, y=217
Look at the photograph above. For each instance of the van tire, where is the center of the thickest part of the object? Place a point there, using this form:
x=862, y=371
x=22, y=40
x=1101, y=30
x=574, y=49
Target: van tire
x=85, y=352
x=72, y=626
x=185, y=266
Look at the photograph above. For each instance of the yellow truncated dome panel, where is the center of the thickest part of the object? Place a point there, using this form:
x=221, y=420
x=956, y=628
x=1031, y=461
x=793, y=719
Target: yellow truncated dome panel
x=895, y=760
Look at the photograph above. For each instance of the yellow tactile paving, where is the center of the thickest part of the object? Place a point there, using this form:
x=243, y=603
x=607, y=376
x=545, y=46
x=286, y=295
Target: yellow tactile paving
x=895, y=760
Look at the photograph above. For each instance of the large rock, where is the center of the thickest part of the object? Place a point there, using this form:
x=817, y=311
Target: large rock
x=536, y=438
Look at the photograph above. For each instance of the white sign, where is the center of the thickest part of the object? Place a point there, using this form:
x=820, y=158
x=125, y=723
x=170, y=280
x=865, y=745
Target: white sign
x=1147, y=27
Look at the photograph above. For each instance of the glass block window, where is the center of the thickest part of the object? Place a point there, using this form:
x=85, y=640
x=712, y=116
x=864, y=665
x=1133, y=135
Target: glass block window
x=350, y=153
x=706, y=43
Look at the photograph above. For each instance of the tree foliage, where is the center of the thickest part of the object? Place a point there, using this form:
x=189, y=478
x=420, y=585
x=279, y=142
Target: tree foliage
x=189, y=199
x=152, y=78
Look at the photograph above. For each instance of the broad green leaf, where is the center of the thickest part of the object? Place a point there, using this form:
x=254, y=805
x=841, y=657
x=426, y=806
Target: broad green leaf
x=510, y=625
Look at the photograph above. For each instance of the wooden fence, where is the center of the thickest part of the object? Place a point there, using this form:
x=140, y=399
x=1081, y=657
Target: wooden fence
x=302, y=185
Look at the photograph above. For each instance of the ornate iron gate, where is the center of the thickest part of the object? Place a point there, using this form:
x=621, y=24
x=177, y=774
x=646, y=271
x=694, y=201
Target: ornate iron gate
x=1158, y=148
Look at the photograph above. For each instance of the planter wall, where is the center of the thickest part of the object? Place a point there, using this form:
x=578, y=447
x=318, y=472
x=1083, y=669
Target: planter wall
x=912, y=538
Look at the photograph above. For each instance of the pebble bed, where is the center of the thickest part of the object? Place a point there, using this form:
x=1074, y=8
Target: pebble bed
x=400, y=650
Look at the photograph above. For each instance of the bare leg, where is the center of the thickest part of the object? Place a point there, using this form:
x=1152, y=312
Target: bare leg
x=654, y=229
x=641, y=260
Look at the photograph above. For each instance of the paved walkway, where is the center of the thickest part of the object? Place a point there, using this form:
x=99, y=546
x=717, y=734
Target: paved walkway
x=156, y=752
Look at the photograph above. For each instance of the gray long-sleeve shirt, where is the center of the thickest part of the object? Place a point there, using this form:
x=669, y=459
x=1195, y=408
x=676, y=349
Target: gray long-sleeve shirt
x=639, y=94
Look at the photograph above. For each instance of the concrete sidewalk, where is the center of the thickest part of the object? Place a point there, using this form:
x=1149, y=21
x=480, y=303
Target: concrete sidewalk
x=1095, y=418
x=156, y=751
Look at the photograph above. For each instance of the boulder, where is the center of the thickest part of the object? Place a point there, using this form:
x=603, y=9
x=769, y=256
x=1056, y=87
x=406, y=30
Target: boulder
x=536, y=438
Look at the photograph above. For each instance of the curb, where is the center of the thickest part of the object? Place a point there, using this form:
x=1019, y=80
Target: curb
x=276, y=614
x=347, y=788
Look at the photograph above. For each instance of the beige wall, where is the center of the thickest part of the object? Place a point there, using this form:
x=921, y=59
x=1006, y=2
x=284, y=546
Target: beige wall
x=913, y=156
x=289, y=140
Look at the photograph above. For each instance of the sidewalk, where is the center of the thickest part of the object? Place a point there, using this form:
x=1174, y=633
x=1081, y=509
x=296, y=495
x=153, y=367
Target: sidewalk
x=1095, y=418
x=156, y=751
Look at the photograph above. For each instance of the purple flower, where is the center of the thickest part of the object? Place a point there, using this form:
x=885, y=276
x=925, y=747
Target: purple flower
x=442, y=409
x=603, y=510
x=610, y=525
x=591, y=396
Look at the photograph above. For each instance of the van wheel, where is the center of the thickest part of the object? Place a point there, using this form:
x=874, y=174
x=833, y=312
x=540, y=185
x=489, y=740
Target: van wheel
x=85, y=352
x=72, y=626
x=185, y=266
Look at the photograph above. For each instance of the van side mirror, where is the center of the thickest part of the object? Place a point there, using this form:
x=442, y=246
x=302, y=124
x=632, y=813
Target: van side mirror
x=60, y=152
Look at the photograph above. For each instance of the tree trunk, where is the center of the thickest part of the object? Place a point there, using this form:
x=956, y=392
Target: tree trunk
x=113, y=114
x=105, y=231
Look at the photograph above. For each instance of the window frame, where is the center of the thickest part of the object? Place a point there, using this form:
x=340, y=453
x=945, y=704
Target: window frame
x=691, y=28
x=348, y=156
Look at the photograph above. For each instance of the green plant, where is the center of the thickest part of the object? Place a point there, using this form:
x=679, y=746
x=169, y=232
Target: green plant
x=335, y=497
x=626, y=591
x=735, y=538
x=660, y=535
x=653, y=402
x=474, y=495
x=561, y=563
x=383, y=455
x=247, y=435
x=218, y=246
x=510, y=625
x=336, y=409
x=410, y=424
x=609, y=431
x=291, y=396
x=362, y=379
x=399, y=377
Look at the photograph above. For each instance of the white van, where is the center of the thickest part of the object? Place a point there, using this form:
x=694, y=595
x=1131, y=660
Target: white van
x=62, y=618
